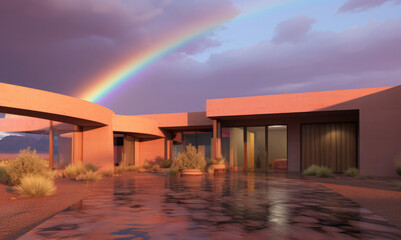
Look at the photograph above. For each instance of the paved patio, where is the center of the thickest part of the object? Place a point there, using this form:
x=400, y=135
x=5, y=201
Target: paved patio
x=233, y=206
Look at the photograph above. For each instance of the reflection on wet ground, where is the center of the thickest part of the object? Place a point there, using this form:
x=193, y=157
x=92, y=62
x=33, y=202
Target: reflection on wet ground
x=231, y=206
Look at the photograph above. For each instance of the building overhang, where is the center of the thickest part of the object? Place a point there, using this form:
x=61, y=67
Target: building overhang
x=287, y=103
x=52, y=106
x=136, y=126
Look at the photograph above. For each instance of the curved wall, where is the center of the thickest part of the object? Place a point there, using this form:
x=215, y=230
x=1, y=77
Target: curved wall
x=52, y=106
x=137, y=126
x=93, y=141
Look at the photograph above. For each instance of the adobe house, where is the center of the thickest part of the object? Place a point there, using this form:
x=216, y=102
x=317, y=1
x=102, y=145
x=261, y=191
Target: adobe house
x=275, y=133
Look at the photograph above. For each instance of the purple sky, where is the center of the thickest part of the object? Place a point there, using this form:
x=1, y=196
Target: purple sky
x=291, y=46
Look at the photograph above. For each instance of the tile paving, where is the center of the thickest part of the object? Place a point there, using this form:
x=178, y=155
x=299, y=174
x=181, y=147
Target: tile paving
x=230, y=206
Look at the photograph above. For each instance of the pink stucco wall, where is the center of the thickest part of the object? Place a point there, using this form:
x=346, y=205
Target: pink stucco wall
x=379, y=121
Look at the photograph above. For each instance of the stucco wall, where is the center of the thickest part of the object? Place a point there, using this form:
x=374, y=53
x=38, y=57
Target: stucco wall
x=379, y=130
x=151, y=151
x=379, y=120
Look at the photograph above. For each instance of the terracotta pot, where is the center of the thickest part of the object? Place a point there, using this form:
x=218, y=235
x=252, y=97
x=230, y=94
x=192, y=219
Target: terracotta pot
x=191, y=172
x=218, y=166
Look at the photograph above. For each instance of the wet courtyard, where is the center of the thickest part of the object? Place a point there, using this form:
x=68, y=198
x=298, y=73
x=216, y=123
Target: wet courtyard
x=228, y=206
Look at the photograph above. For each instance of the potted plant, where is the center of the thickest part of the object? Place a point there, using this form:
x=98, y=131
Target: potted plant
x=218, y=164
x=190, y=161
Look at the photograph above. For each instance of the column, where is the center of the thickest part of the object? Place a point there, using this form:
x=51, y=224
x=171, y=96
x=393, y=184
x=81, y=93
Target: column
x=218, y=140
x=77, y=145
x=214, y=140
x=245, y=150
x=168, y=143
x=51, y=145
x=129, y=150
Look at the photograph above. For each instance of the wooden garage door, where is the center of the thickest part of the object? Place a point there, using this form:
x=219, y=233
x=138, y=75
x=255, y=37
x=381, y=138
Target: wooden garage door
x=332, y=145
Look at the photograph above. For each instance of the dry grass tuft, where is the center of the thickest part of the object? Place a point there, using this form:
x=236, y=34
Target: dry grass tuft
x=36, y=186
x=74, y=170
x=89, y=176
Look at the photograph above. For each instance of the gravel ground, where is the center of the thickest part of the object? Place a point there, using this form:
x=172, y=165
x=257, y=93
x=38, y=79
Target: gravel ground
x=19, y=214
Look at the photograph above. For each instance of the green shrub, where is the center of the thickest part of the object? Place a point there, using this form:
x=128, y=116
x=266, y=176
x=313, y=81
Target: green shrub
x=352, y=172
x=73, y=170
x=106, y=173
x=166, y=163
x=91, y=167
x=89, y=176
x=3, y=175
x=311, y=170
x=397, y=163
x=36, y=186
x=27, y=162
x=172, y=172
x=190, y=159
x=323, y=172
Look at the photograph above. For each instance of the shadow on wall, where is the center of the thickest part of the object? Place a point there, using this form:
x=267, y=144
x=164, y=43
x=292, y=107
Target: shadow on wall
x=157, y=160
x=198, y=119
x=379, y=130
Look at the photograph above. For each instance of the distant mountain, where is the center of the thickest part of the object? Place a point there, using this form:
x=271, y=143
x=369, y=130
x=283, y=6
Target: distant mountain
x=13, y=143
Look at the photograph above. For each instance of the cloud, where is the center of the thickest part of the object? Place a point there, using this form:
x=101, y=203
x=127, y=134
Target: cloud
x=292, y=30
x=59, y=45
x=358, y=57
x=363, y=5
x=62, y=46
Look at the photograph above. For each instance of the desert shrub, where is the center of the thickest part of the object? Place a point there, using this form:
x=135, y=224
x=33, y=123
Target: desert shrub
x=218, y=161
x=311, y=170
x=73, y=170
x=155, y=168
x=119, y=169
x=133, y=168
x=147, y=166
x=190, y=159
x=36, y=186
x=4, y=162
x=352, y=172
x=397, y=164
x=323, y=172
x=172, y=172
x=3, y=175
x=166, y=163
x=106, y=173
x=53, y=174
x=91, y=167
x=27, y=162
x=89, y=176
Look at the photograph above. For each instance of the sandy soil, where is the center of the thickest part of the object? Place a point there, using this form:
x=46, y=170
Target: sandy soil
x=20, y=214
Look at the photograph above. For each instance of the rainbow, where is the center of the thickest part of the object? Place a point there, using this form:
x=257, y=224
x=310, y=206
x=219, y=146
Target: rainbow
x=143, y=59
x=132, y=67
